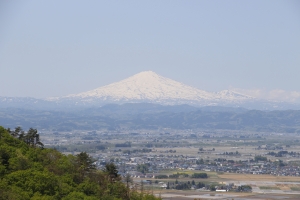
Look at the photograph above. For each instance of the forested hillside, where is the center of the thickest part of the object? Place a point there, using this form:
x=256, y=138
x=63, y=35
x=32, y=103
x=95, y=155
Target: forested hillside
x=29, y=171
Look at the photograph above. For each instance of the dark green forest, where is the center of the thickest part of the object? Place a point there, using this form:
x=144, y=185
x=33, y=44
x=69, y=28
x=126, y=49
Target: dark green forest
x=30, y=171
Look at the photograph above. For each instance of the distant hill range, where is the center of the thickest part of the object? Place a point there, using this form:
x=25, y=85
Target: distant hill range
x=137, y=116
x=147, y=87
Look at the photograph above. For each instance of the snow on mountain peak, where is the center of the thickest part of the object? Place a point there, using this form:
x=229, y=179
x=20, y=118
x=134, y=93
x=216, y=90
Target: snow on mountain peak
x=233, y=95
x=149, y=86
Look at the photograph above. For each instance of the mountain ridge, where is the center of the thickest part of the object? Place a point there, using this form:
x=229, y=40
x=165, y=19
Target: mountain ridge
x=151, y=87
x=147, y=87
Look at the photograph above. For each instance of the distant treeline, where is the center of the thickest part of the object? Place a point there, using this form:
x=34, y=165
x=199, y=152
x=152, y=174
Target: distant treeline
x=183, y=175
x=125, y=144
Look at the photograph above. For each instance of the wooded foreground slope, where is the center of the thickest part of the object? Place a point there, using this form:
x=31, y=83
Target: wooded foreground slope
x=29, y=171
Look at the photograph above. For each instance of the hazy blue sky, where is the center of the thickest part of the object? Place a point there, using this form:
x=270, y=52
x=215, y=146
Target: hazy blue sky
x=55, y=48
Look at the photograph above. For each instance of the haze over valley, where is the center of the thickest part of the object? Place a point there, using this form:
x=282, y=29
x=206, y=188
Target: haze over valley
x=149, y=100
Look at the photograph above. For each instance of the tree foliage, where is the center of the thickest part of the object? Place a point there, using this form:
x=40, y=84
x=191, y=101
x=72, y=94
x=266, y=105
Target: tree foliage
x=29, y=171
x=199, y=175
x=143, y=168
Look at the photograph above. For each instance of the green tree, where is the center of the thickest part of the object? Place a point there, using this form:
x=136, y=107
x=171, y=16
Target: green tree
x=199, y=175
x=212, y=188
x=112, y=172
x=201, y=161
x=85, y=165
x=143, y=168
x=260, y=158
x=33, y=138
x=16, y=132
x=30, y=173
x=128, y=180
x=200, y=185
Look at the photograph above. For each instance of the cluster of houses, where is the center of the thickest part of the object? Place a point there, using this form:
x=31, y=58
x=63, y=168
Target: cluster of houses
x=167, y=157
x=156, y=163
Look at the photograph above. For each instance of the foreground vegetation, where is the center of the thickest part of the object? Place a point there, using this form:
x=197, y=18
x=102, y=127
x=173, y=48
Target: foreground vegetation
x=29, y=171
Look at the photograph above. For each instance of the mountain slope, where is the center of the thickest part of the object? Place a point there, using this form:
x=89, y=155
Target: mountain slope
x=150, y=87
x=146, y=87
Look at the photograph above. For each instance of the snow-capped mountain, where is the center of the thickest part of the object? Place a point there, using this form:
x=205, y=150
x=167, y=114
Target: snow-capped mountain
x=146, y=87
x=150, y=87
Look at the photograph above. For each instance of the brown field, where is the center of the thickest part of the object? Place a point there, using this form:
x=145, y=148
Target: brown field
x=252, y=177
x=223, y=177
x=189, y=195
